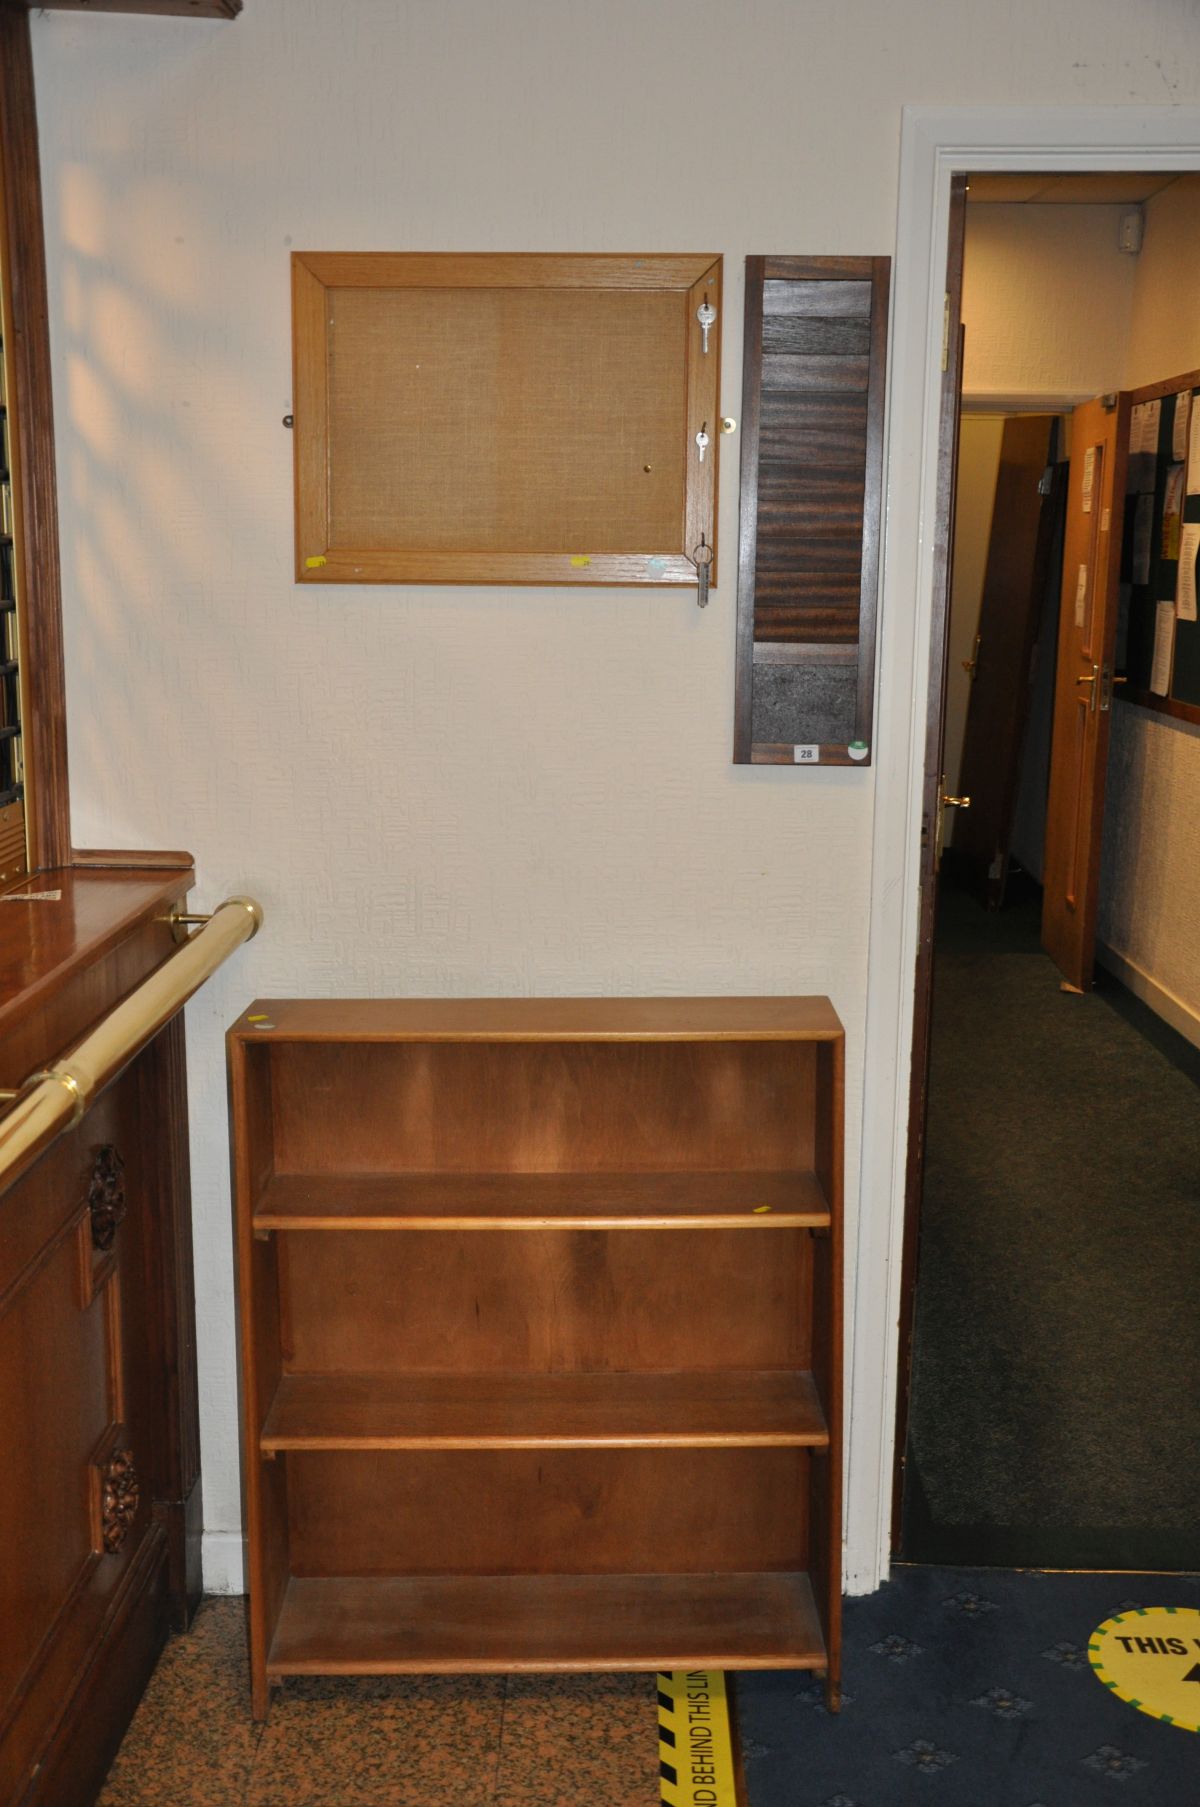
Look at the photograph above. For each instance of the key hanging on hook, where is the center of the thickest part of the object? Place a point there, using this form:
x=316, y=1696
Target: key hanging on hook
x=706, y=314
x=702, y=558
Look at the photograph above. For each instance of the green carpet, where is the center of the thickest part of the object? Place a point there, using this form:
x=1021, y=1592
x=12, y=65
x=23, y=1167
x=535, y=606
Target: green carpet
x=1056, y=1376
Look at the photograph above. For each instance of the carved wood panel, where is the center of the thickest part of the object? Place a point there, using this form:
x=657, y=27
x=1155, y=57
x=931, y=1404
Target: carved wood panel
x=96, y=1348
x=73, y=1501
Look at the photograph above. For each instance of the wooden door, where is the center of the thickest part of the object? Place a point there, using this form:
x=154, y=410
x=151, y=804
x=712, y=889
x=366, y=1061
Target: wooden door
x=1083, y=685
x=950, y=411
x=1014, y=583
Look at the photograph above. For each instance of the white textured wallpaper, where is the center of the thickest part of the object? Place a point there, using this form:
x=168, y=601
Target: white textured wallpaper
x=1150, y=878
x=1164, y=325
x=1150, y=874
x=457, y=791
x=1046, y=303
x=979, y=437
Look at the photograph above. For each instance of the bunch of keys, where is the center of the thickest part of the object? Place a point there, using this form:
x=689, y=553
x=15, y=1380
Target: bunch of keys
x=702, y=558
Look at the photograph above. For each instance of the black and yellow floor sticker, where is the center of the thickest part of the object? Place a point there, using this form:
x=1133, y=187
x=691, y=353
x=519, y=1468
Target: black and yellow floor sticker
x=1150, y=1657
x=695, y=1742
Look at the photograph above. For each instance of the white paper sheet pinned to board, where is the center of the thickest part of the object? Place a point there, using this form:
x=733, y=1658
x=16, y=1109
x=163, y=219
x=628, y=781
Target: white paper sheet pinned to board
x=1185, y=589
x=1164, y=648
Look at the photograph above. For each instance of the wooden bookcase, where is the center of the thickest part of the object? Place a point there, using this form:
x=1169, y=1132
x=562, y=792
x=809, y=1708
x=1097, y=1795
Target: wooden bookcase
x=541, y=1323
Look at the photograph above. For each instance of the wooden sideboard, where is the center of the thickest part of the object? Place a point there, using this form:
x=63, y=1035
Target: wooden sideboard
x=99, y=1487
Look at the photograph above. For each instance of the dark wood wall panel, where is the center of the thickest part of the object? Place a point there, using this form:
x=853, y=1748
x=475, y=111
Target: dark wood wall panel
x=825, y=293
x=179, y=9
x=798, y=504
x=815, y=371
x=828, y=428
x=22, y=254
x=811, y=487
x=808, y=336
x=808, y=568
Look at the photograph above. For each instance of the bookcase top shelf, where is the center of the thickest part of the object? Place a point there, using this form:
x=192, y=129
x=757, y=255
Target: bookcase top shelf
x=539, y=1019
x=528, y=1201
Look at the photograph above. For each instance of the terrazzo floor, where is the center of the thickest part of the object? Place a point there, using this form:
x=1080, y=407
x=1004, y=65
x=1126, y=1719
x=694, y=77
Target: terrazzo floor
x=405, y=1741
x=964, y=1688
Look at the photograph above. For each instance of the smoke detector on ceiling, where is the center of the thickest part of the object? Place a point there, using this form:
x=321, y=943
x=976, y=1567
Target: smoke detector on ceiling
x=1131, y=230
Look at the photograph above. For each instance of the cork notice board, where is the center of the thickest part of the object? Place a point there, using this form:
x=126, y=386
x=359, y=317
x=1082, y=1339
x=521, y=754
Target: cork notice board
x=503, y=418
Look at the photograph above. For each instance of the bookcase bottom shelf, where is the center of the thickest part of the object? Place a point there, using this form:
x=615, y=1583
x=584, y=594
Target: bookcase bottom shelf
x=396, y=1625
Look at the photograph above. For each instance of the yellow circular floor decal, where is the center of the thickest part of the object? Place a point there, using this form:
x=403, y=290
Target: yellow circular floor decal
x=1151, y=1658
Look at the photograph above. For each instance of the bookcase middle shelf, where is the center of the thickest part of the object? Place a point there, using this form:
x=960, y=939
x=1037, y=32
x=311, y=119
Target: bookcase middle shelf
x=534, y=1201
x=768, y=1408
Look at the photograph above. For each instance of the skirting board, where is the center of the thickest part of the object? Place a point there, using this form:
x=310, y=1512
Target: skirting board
x=224, y=1562
x=1164, y=1003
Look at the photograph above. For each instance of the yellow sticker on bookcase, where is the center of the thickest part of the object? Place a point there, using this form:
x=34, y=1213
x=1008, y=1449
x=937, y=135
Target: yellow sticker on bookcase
x=1149, y=1657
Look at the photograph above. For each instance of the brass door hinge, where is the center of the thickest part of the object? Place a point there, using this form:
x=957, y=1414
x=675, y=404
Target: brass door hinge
x=946, y=332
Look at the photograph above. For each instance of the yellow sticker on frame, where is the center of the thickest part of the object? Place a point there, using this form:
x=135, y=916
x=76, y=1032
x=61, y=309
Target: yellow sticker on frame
x=1149, y=1657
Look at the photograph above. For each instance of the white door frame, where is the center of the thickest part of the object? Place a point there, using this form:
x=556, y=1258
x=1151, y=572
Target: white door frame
x=935, y=141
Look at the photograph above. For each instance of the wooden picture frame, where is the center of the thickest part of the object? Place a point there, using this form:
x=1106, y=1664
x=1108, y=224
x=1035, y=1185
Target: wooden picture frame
x=1135, y=633
x=504, y=418
x=815, y=352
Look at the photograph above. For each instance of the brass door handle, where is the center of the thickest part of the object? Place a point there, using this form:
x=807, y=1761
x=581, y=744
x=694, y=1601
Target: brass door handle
x=955, y=802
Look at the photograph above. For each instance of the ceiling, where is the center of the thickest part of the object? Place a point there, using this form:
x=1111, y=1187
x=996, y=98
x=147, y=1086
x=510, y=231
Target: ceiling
x=1092, y=188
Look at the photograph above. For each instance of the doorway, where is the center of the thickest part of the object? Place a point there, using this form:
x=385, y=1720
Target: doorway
x=1056, y=1182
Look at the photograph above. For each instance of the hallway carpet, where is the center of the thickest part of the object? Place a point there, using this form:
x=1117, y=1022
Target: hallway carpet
x=1056, y=1376
x=970, y=1688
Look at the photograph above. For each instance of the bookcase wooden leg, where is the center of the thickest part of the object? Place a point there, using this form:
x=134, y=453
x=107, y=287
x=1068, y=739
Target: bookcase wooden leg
x=260, y=1696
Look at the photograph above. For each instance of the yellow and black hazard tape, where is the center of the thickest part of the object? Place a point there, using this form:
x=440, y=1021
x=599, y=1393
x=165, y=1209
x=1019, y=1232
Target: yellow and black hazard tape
x=695, y=1743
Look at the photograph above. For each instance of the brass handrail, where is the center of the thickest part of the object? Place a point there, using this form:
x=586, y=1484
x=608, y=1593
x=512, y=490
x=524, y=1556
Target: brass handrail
x=54, y=1099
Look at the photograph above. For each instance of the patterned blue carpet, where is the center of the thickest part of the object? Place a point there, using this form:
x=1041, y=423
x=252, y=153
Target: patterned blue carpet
x=1056, y=1356
x=970, y=1688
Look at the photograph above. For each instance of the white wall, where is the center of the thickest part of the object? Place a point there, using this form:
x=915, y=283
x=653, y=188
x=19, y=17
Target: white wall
x=460, y=791
x=1149, y=921
x=979, y=437
x=1149, y=918
x=1164, y=319
x=1046, y=302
